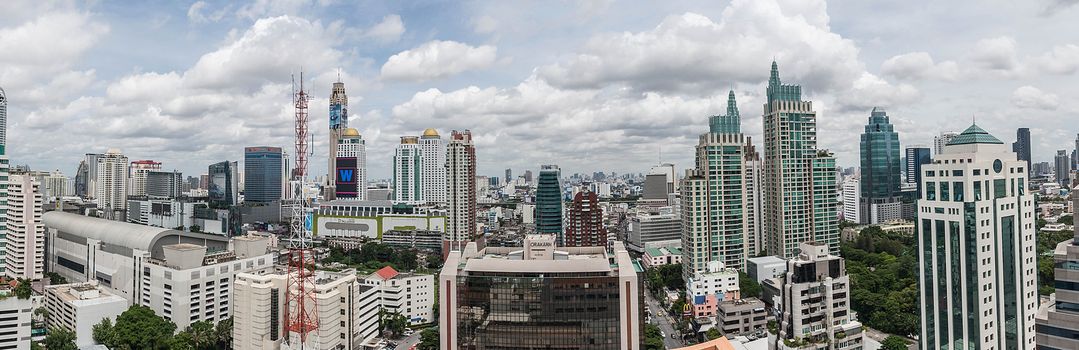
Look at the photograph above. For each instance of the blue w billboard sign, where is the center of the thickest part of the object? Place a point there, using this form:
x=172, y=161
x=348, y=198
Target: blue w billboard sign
x=345, y=175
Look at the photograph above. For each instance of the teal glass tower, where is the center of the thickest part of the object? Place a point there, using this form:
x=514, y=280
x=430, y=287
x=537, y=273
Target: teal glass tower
x=549, y=202
x=880, y=157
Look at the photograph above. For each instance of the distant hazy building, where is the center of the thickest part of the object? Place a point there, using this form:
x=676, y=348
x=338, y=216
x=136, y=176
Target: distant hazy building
x=55, y=185
x=816, y=299
x=408, y=171
x=348, y=311
x=137, y=173
x=78, y=307
x=110, y=184
x=83, y=180
x=25, y=246
x=799, y=179
x=941, y=140
x=461, y=198
x=433, y=170
x=915, y=157
x=262, y=174
x=531, y=297
x=654, y=230
x=977, y=247
x=1021, y=146
x=1057, y=322
x=1062, y=168
x=549, y=202
x=164, y=184
x=223, y=189
x=584, y=222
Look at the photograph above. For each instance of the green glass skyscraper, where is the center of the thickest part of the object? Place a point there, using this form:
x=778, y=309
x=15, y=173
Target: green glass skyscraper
x=799, y=180
x=880, y=157
x=549, y=202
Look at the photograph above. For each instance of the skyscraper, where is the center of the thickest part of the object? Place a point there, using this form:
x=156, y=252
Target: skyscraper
x=137, y=171
x=941, y=140
x=976, y=238
x=25, y=249
x=720, y=206
x=916, y=156
x=799, y=180
x=223, y=189
x=91, y=160
x=338, y=124
x=433, y=172
x=461, y=189
x=408, y=171
x=351, y=166
x=4, y=170
x=1021, y=147
x=164, y=184
x=509, y=175
x=816, y=302
x=3, y=122
x=1062, y=168
x=549, y=202
x=880, y=170
x=110, y=184
x=584, y=222
x=82, y=180
x=262, y=174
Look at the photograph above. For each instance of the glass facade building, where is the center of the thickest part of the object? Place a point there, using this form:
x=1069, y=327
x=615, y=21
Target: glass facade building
x=879, y=157
x=223, y=189
x=916, y=156
x=549, y=202
x=262, y=174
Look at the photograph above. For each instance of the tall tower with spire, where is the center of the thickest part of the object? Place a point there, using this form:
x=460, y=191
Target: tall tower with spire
x=799, y=179
x=338, y=125
x=721, y=201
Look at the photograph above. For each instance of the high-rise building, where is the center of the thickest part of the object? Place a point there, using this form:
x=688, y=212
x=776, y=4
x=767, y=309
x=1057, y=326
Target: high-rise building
x=799, y=179
x=338, y=125
x=82, y=180
x=549, y=202
x=25, y=248
x=1057, y=322
x=110, y=184
x=816, y=302
x=484, y=295
x=3, y=122
x=262, y=174
x=351, y=163
x=852, y=195
x=1075, y=153
x=433, y=171
x=17, y=315
x=880, y=172
x=942, y=140
x=720, y=209
x=408, y=171
x=55, y=185
x=915, y=157
x=461, y=193
x=91, y=160
x=223, y=189
x=976, y=238
x=667, y=170
x=584, y=222
x=528, y=176
x=348, y=311
x=137, y=173
x=1021, y=146
x=509, y=175
x=1062, y=168
x=164, y=184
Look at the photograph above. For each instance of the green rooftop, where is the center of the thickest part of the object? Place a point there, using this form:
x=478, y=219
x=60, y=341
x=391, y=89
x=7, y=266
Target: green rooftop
x=973, y=135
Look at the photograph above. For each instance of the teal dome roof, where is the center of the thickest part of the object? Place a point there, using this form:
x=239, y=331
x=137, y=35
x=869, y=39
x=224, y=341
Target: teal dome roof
x=974, y=134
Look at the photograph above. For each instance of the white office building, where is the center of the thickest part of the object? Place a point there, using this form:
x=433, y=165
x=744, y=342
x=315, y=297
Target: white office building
x=347, y=312
x=77, y=307
x=15, y=323
x=56, y=186
x=815, y=309
x=411, y=295
x=941, y=140
x=25, y=242
x=183, y=276
x=852, y=206
x=111, y=184
x=138, y=172
x=407, y=171
x=460, y=192
x=976, y=238
x=717, y=280
x=433, y=170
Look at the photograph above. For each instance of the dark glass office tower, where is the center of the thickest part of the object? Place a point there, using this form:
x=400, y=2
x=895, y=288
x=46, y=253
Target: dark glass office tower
x=1021, y=147
x=549, y=202
x=880, y=157
x=262, y=174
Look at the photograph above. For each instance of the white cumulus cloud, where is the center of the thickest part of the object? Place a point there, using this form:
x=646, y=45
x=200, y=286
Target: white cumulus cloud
x=437, y=59
x=1032, y=97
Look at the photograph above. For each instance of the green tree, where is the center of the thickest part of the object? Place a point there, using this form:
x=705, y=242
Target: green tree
x=749, y=287
x=653, y=339
x=202, y=335
x=102, y=332
x=223, y=333
x=428, y=339
x=893, y=343
x=713, y=334
x=180, y=341
x=60, y=339
x=1065, y=219
x=22, y=289
x=395, y=323
x=55, y=278
x=140, y=328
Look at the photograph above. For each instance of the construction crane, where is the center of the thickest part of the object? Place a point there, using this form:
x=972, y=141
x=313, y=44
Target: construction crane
x=301, y=312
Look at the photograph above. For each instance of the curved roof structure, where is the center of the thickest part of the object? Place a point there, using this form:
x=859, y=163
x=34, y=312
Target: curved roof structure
x=131, y=236
x=430, y=132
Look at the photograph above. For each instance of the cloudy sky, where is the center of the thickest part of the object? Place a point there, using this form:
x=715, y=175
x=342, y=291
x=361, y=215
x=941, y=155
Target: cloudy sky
x=589, y=85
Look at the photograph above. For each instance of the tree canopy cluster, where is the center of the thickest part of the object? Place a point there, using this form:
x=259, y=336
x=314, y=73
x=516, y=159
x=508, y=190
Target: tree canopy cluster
x=140, y=328
x=884, y=285
x=372, y=256
x=665, y=276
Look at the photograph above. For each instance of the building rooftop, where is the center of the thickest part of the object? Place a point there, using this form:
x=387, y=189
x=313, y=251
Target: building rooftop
x=88, y=293
x=972, y=135
x=127, y=235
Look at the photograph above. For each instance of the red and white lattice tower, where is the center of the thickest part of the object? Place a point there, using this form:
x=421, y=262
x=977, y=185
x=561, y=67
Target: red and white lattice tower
x=301, y=318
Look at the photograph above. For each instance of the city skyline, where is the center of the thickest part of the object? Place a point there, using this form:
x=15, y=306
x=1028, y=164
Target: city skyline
x=200, y=63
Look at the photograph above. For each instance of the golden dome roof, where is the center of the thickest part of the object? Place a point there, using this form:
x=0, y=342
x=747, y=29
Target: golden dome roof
x=351, y=132
x=430, y=132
